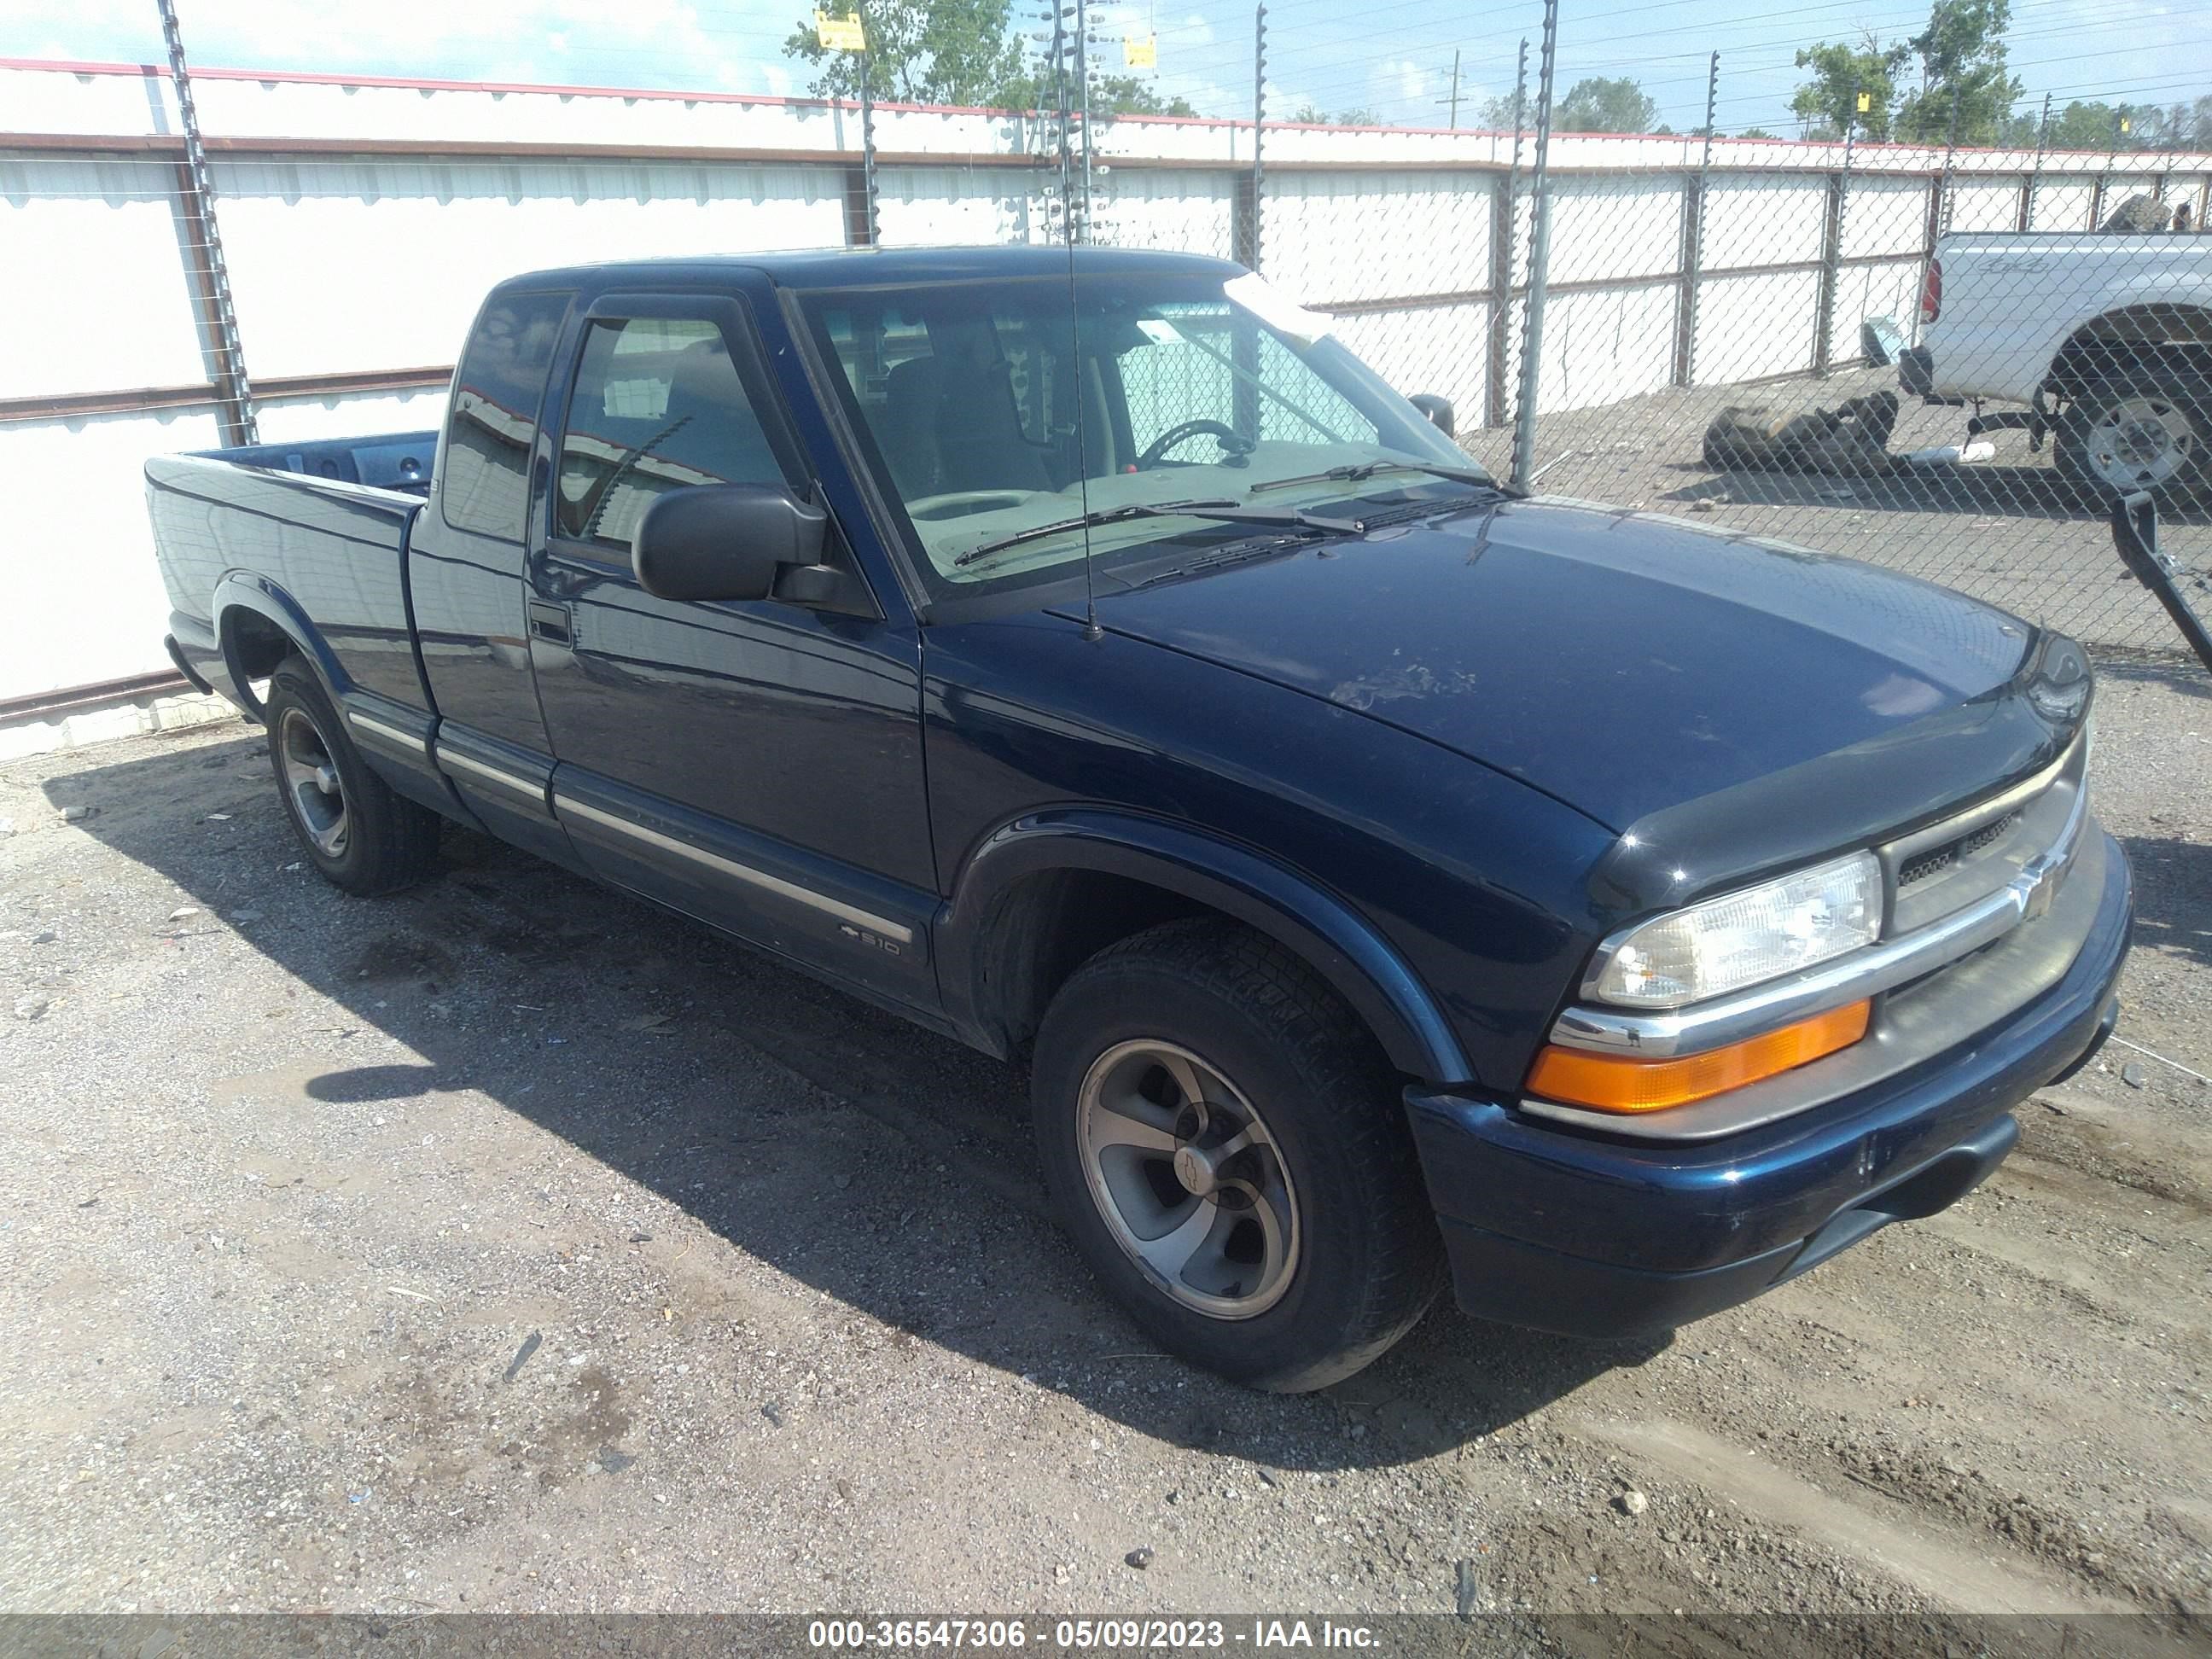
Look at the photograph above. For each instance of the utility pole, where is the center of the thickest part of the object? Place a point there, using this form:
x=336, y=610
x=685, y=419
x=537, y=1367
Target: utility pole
x=1453, y=100
x=230, y=356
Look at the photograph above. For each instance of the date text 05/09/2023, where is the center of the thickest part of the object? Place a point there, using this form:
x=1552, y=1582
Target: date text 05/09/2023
x=1087, y=1635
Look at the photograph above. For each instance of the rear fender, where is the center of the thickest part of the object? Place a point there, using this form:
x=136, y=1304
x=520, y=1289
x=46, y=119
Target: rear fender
x=243, y=591
x=394, y=738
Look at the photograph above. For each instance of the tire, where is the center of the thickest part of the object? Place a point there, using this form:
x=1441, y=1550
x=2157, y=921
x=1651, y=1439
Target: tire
x=364, y=838
x=1321, y=1250
x=2126, y=432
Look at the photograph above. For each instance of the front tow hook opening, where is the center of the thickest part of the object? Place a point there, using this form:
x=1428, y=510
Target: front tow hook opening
x=1934, y=1187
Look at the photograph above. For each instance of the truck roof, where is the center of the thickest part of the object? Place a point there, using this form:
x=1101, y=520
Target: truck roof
x=859, y=267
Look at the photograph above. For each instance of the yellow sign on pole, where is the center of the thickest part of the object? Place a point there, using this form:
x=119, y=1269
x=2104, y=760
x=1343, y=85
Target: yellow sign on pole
x=840, y=34
x=1866, y=102
x=1140, y=52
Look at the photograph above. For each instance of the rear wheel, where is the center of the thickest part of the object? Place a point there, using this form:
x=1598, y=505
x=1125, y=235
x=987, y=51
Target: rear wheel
x=1228, y=1150
x=2119, y=437
x=361, y=835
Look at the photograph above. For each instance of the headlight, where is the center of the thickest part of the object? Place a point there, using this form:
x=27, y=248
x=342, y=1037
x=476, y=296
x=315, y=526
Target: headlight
x=1743, y=939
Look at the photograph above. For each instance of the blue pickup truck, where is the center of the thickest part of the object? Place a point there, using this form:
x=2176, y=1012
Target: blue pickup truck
x=1385, y=877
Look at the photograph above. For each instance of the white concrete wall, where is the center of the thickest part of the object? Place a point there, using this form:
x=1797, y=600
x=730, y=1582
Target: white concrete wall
x=345, y=262
x=93, y=262
x=403, y=251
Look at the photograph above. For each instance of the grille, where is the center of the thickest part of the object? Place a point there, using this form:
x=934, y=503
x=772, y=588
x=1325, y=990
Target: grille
x=1943, y=858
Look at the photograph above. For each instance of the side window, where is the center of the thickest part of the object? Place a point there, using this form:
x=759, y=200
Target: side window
x=484, y=473
x=658, y=406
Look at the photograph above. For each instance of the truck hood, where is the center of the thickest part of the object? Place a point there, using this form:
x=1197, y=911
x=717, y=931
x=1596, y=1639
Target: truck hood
x=1624, y=662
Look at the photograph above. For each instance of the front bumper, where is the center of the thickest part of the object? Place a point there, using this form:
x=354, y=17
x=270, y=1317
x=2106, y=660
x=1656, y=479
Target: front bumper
x=1591, y=1234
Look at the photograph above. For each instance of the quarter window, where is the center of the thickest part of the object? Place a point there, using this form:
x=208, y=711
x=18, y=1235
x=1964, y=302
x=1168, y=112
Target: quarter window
x=658, y=406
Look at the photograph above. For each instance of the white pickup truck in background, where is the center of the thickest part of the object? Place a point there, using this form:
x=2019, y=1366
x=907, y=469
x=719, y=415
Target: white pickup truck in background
x=2107, y=337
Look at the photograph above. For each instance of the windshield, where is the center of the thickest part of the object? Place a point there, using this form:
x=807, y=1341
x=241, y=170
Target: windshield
x=998, y=420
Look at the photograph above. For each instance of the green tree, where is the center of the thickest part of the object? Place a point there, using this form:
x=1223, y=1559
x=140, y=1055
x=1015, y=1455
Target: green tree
x=1754, y=132
x=1311, y=115
x=1963, y=71
x=1829, y=100
x=1125, y=95
x=1599, y=105
x=924, y=52
x=1495, y=114
x=1360, y=117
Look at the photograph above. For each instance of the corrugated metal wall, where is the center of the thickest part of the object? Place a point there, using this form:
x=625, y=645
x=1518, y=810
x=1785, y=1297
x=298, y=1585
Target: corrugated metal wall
x=352, y=267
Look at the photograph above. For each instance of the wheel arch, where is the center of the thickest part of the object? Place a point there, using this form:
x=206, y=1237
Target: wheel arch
x=2130, y=338
x=1046, y=892
x=257, y=625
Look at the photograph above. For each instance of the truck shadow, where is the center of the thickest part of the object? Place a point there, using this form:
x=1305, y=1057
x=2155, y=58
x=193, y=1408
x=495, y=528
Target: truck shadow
x=884, y=1165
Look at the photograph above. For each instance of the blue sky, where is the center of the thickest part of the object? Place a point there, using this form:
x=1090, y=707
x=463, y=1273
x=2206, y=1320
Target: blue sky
x=1392, y=56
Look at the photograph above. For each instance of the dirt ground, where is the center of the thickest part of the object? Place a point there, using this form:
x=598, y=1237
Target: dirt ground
x=508, y=1245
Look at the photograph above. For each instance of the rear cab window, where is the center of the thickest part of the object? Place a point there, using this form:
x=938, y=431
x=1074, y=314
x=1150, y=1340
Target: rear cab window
x=484, y=470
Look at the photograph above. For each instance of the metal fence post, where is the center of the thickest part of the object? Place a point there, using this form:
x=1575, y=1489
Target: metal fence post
x=1504, y=232
x=1082, y=104
x=1950, y=155
x=233, y=389
x=2035, y=178
x=1832, y=258
x=1259, y=119
x=868, y=148
x=1694, y=243
x=1540, y=249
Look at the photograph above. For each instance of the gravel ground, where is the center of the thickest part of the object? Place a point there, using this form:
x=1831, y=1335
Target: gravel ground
x=2009, y=529
x=508, y=1245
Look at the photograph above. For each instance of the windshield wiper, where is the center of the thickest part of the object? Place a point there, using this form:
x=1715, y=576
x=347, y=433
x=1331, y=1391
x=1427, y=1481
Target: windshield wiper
x=1218, y=507
x=1364, y=470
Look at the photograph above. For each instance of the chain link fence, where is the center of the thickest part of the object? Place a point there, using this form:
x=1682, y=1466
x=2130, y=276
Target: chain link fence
x=1918, y=360
x=1951, y=377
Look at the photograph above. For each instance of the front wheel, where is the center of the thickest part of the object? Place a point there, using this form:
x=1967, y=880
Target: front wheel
x=1227, y=1148
x=2117, y=437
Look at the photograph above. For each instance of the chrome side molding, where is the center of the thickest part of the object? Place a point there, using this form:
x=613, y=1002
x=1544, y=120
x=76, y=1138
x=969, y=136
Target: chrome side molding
x=898, y=932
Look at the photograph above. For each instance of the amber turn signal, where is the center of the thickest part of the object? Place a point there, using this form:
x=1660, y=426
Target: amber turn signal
x=1615, y=1082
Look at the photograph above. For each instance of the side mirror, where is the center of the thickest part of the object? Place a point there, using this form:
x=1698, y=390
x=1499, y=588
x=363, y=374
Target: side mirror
x=1438, y=411
x=724, y=541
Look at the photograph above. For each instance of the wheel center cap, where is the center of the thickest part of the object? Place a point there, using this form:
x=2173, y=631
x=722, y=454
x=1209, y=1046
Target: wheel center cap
x=1195, y=1170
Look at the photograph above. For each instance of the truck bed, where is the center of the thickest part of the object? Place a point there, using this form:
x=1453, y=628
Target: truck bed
x=319, y=530
x=2011, y=299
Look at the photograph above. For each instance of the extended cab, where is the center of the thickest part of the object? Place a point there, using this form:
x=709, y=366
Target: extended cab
x=1384, y=877
x=2105, y=336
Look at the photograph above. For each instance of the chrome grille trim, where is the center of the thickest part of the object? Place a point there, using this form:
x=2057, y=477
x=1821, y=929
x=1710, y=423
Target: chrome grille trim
x=1871, y=968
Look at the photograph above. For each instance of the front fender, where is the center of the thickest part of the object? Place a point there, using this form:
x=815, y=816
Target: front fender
x=1332, y=938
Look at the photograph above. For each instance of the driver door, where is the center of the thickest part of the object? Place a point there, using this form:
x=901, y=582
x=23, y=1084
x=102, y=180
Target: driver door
x=755, y=763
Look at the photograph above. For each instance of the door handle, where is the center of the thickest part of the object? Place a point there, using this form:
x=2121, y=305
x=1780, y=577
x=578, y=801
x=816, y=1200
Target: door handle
x=551, y=622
